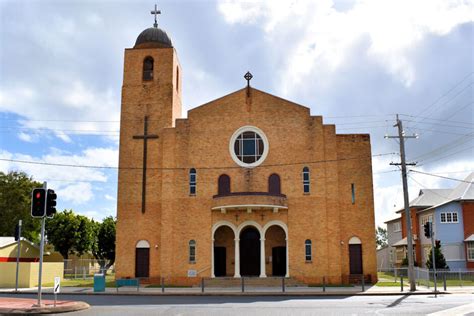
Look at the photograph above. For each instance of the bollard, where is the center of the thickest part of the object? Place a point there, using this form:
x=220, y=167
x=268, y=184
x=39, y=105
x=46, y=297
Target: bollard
x=363, y=283
x=460, y=278
x=444, y=281
x=401, y=283
x=243, y=285
x=202, y=285
x=283, y=284
x=324, y=284
x=162, y=285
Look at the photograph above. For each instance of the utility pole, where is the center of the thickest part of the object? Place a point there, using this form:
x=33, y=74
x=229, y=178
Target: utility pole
x=401, y=136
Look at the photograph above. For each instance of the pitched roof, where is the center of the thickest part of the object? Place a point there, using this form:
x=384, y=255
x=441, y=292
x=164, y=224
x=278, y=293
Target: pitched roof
x=429, y=197
x=465, y=190
x=7, y=241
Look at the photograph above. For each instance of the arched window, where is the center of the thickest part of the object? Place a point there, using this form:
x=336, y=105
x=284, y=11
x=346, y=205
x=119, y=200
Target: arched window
x=192, y=181
x=192, y=250
x=307, y=250
x=306, y=181
x=148, y=68
x=274, y=184
x=223, y=185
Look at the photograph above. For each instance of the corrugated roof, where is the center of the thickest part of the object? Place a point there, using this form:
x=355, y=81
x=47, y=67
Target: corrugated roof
x=465, y=190
x=5, y=241
x=429, y=197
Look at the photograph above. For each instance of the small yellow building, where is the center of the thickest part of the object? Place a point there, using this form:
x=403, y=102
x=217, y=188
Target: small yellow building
x=28, y=267
x=249, y=184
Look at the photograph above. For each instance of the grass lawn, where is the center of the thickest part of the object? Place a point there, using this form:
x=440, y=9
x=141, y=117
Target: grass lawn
x=388, y=279
x=168, y=286
x=109, y=282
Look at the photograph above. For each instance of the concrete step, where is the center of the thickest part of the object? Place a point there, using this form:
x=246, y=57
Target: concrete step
x=224, y=282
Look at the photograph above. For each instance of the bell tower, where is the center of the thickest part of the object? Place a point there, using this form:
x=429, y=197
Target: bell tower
x=151, y=102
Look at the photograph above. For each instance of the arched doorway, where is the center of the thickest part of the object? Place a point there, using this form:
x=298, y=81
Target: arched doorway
x=224, y=251
x=250, y=252
x=142, y=259
x=275, y=248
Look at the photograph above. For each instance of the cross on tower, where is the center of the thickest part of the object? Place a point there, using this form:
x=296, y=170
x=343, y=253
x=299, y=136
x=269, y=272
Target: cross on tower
x=145, y=138
x=155, y=12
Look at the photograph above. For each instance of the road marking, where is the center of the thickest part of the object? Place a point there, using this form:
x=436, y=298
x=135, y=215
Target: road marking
x=459, y=310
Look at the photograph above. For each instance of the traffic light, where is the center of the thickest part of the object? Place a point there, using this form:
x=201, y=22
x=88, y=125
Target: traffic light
x=51, y=203
x=38, y=202
x=427, y=228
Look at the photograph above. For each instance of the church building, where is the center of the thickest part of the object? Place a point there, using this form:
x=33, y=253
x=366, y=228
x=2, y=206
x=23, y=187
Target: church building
x=249, y=184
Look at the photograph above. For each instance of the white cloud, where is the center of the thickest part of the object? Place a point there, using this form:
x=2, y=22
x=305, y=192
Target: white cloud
x=25, y=137
x=109, y=197
x=66, y=180
x=319, y=38
x=78, y=193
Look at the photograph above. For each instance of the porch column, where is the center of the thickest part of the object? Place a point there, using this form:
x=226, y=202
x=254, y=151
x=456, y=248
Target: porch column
x=287, y=275
x=262, y=258
x=237, y=259
x=212, y=259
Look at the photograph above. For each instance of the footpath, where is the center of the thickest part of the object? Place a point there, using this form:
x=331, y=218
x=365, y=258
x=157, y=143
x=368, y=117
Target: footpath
x=9, y=304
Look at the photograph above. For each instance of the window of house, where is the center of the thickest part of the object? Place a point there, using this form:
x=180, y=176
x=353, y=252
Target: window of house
x=223, y=185
x=353, y=193
x=397, y=227
x=426, y=219
x=306, y=181
x=248, y=146
x=192, y=181
x=449, y=217
x=148, y=68
x=192, y=251
x=470, y=250
x=274, y=184
x=307, y=250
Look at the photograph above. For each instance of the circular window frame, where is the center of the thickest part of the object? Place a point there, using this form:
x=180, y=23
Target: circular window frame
x=233, y=138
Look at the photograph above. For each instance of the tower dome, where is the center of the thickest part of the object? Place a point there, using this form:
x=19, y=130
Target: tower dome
x=153, y=37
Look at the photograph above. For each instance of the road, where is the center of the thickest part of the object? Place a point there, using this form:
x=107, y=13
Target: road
x=262, y=305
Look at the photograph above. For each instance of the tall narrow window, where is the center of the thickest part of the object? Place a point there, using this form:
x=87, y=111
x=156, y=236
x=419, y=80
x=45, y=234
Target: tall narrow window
x=148, y=68
x=306, y=181
x=223, y=185
x=177, y=79
x=307, y=250
x=353, y=192
x=192, y=181
x=274, y=184
x=192, y=251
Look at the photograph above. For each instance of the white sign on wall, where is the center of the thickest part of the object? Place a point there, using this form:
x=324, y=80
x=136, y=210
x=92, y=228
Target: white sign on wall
x=192, y=273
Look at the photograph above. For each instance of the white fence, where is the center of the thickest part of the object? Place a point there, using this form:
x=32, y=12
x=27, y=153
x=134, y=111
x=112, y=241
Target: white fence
x=83, y=268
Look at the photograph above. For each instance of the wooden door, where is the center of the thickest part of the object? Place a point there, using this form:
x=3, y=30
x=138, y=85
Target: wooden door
x=355, y=259
x=220, y=260
x=279, y=261
x=142, y=262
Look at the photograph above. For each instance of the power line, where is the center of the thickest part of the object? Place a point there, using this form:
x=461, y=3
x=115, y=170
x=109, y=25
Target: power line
x=440, y=158
x=435, y=175
x=183, y=168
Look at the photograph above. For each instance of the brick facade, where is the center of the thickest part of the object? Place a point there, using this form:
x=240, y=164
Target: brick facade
x=327, y=216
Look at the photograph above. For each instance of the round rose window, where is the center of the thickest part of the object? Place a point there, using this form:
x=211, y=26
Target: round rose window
x=248, y=146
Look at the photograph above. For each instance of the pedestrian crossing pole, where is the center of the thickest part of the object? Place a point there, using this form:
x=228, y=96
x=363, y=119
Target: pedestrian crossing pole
x=401, y=136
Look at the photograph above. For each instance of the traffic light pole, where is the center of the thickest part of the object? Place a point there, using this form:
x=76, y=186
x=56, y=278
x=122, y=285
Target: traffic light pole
x=433, y=256
x=40, y=273
x=18, y=255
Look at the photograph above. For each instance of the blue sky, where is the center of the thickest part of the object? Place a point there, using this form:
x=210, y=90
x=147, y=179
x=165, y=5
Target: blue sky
x=357, y=63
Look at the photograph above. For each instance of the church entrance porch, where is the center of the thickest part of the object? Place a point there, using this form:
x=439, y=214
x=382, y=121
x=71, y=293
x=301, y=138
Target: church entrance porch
x=250, y=252
x=249, y=249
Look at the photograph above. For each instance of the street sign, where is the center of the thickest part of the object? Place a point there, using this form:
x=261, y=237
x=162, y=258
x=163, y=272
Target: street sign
x=57, y=285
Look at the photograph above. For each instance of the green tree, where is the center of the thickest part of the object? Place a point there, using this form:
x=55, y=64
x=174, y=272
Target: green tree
x=439, y=258
x=15, y=204
x=381, y=237
x=70, y=233
x=104, y=248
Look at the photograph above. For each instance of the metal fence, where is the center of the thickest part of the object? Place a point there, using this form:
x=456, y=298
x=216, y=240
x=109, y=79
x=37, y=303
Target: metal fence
x=425, y=277
x=83, y=268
